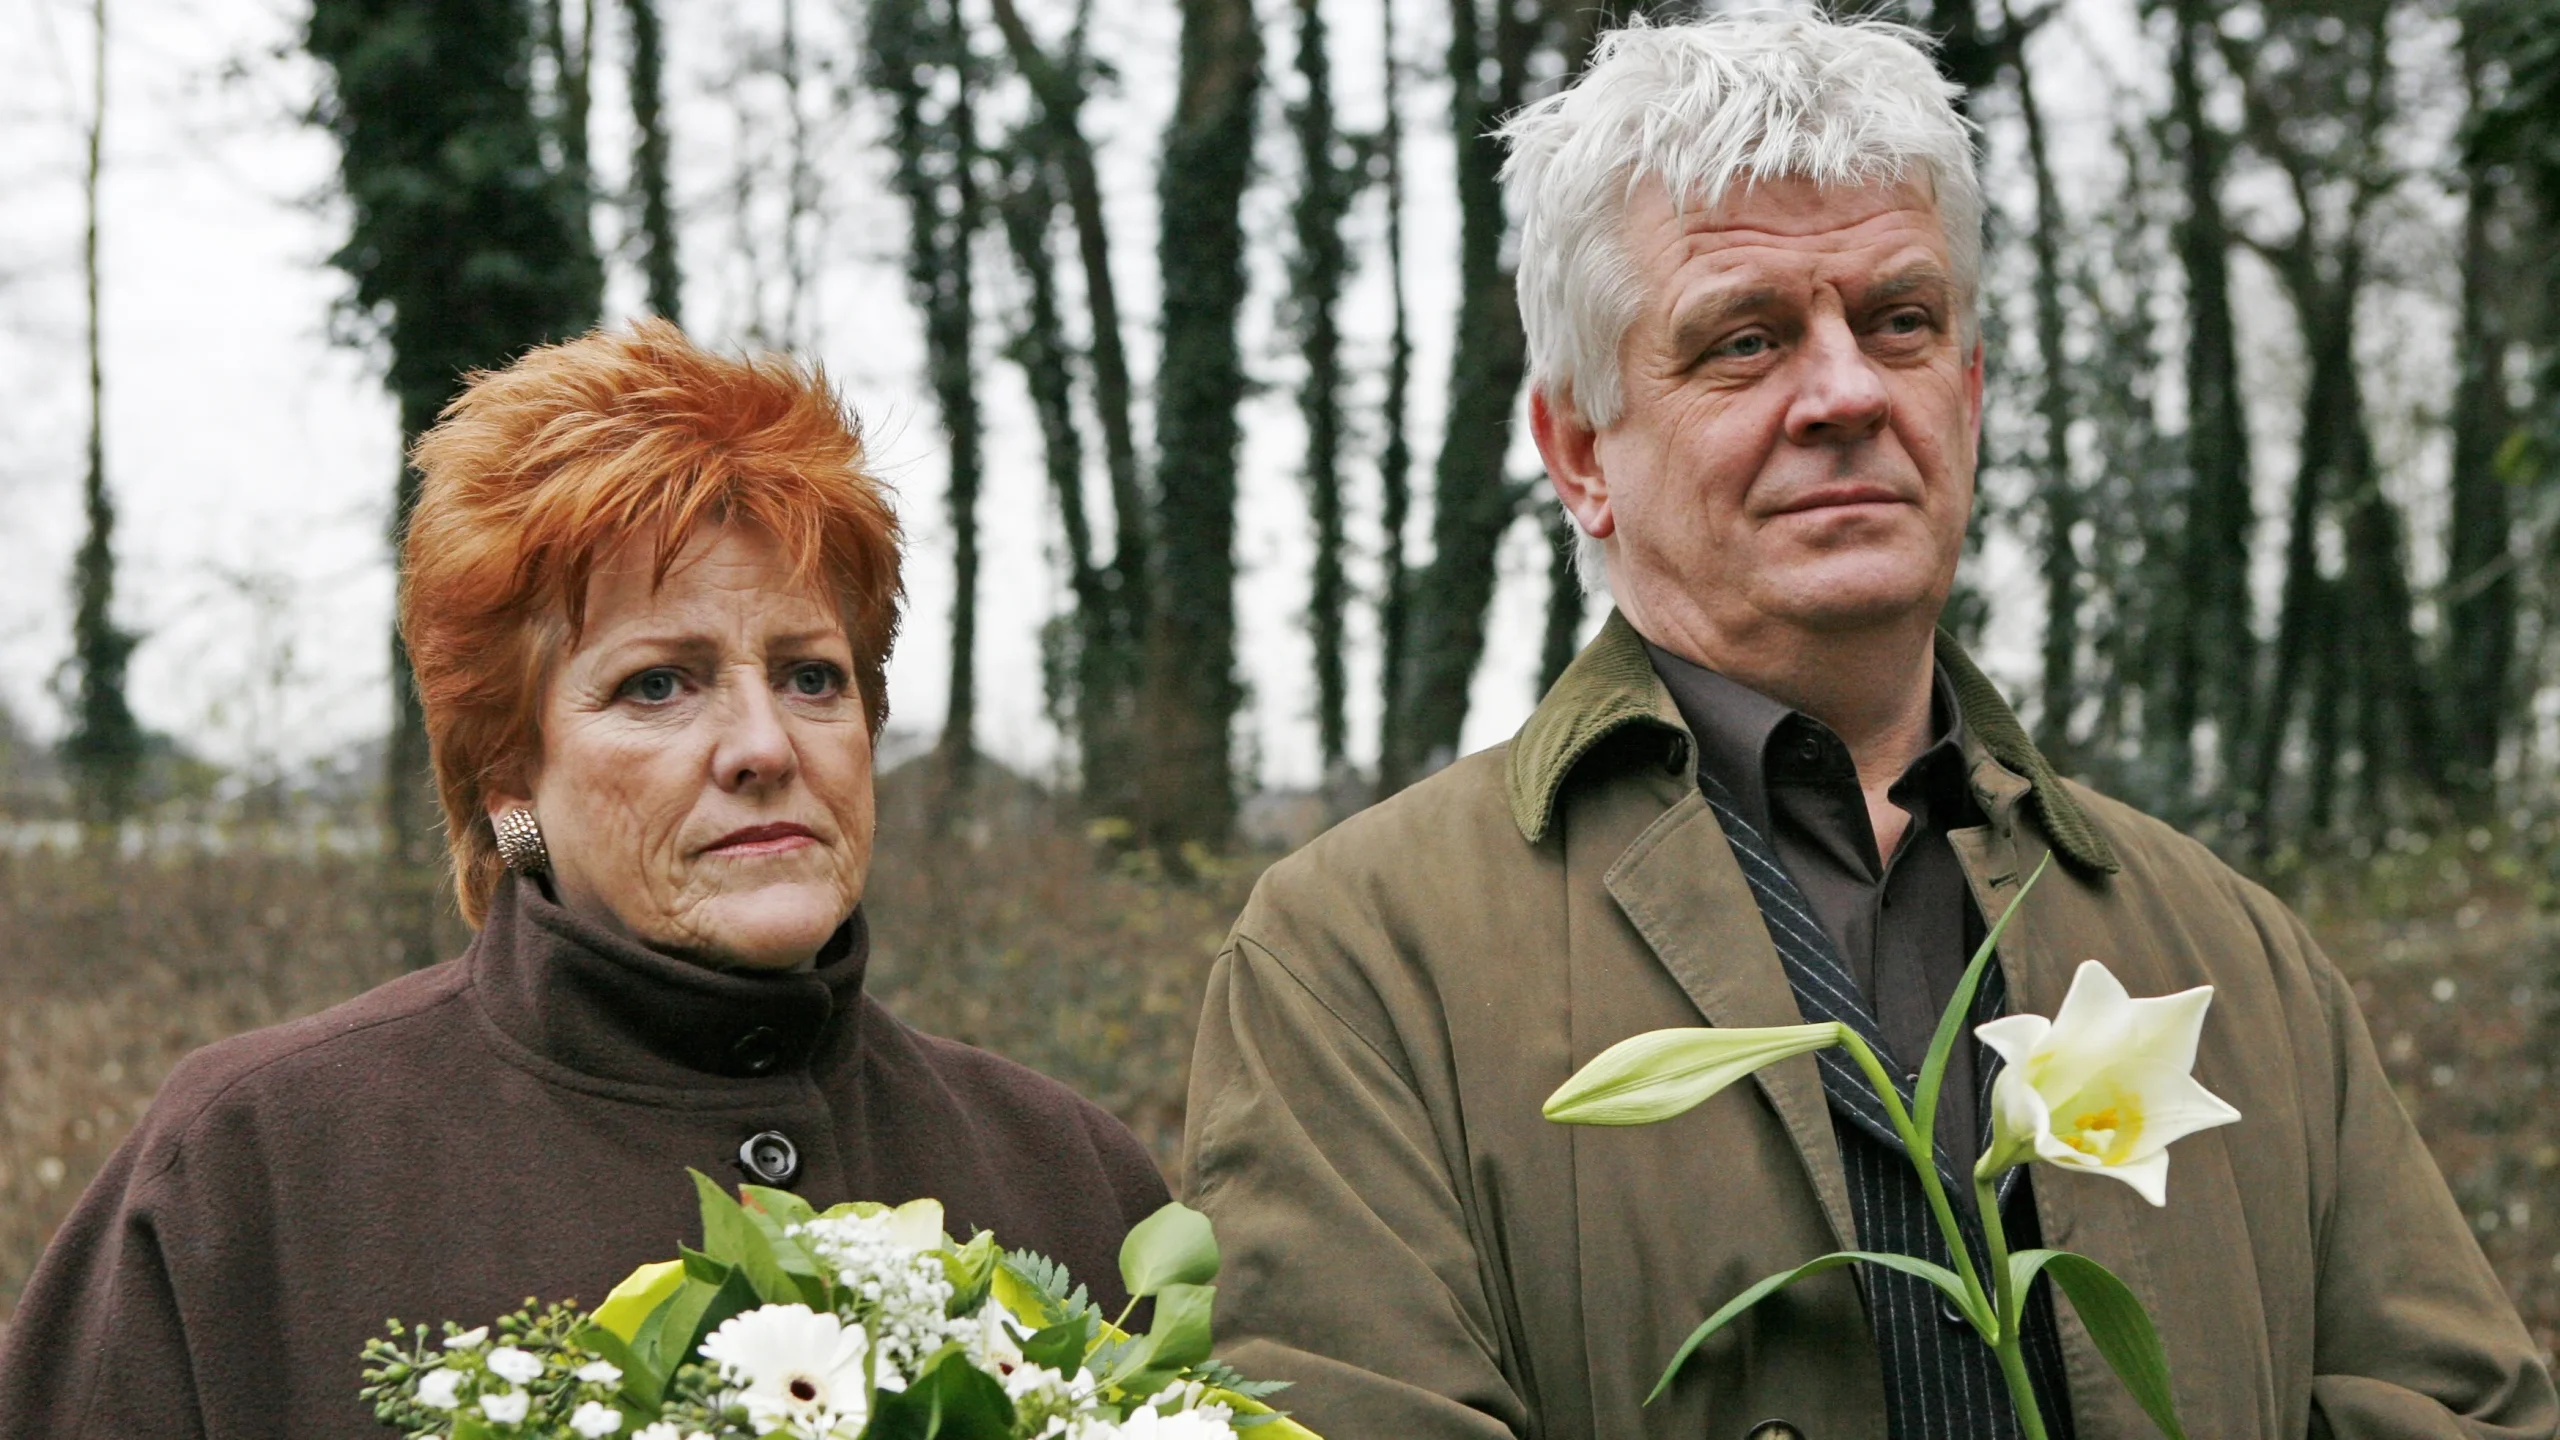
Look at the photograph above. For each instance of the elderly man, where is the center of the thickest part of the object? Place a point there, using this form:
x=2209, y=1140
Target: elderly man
x=1772, y=791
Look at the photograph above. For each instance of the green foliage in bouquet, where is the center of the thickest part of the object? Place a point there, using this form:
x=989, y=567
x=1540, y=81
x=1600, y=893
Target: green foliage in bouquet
x=861, y=1322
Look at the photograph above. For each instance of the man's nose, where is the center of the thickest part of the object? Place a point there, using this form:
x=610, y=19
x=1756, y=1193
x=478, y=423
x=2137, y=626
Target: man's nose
x=753, y=749
x=1839, y=396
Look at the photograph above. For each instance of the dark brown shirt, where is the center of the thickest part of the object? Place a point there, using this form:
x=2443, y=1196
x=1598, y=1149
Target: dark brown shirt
x=1905, y=923
x=516, y=1122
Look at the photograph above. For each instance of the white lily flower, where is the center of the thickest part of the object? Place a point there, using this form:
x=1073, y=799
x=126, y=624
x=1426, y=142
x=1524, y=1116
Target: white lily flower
x=509, y=1363
x=440, y=1389
x=796, y=1367
x=595, y=1421
x=1662, y=1073
x=507, y=1407
x=2105, y=1086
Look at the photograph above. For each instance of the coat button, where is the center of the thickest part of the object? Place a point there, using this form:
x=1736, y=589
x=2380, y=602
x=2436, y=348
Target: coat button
x=757, y=1051
x=770, y=1157
x=1948, y=1311
x=1774, y=1430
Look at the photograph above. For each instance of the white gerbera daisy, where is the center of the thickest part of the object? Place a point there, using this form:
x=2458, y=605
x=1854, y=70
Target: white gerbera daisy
x=795, y=1366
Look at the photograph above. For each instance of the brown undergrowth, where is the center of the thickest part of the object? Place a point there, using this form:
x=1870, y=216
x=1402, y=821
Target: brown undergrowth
x=1015, y=930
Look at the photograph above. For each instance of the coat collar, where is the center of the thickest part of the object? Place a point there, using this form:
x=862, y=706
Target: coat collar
x=606, y=1006
x=1611, y=686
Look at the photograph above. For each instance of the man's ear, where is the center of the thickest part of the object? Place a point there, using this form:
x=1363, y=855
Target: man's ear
x=1570, y=448
x=1973, y=394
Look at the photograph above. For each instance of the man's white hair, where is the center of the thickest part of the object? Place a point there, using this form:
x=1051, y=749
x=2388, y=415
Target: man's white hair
x=1704, y=108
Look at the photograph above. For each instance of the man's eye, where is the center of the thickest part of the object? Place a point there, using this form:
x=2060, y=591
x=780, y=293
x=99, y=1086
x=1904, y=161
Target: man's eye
x=1906, y=322
x=815, y=681
x=1744, y=347
x=652, y=687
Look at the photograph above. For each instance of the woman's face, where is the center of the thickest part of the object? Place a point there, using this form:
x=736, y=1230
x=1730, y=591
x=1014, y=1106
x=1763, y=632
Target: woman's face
x=705, y=777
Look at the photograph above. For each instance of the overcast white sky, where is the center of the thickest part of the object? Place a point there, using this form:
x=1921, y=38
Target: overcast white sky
x=252, y=457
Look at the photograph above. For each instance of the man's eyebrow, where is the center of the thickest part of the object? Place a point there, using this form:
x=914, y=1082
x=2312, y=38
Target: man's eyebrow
x=1693, y=323
x=1921, y=277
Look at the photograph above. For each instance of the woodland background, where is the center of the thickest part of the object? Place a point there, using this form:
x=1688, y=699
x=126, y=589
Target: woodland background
x=2270, y=503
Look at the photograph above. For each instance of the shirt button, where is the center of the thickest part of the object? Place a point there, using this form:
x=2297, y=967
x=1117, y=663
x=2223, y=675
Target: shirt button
x=770, y=1157
x=1948, y=1311
x=1809, y=750
x=757, y=1051
x=1774, y=1430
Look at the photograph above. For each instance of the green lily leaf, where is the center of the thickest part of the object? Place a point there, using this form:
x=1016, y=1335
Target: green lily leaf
x=952, y=1400
x=2116, y=1321
x=729, y=1235
x=1951, y=1024
x=1174, y=1246
x=1663, y=1073
x=1178, y=1339
x=1938, y=1275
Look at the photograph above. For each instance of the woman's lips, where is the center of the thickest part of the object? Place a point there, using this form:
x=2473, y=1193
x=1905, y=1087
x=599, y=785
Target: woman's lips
x=774, y=839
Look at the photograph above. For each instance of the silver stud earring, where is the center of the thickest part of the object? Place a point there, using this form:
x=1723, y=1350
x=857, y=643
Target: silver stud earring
x=520, y=842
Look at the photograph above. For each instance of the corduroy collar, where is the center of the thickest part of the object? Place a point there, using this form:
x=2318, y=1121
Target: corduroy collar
x=605, y=1005
x=1612, y=686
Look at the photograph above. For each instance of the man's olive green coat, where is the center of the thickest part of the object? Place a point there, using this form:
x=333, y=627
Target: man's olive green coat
x=1425, y=1256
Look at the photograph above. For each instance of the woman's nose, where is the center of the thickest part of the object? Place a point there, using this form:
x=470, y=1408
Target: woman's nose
x=1839, y=396
x=753, y=749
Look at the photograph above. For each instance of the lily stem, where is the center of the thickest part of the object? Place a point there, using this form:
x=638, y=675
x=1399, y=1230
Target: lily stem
x=2012, y=1304
x=1923, y=1154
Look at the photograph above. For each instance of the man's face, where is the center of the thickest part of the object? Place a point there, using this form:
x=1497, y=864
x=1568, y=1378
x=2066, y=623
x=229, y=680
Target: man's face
x=1795, y=453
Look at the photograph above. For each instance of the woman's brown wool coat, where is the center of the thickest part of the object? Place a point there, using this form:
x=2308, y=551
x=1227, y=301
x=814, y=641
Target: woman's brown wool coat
x=517, y=1122
x=1429, y=1259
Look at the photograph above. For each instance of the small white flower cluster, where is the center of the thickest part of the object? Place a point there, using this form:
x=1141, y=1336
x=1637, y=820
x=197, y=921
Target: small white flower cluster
x=487, y=1383
x=900, y=1292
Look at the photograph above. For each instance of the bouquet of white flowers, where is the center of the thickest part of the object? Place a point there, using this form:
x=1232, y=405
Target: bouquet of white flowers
x=862, y=1322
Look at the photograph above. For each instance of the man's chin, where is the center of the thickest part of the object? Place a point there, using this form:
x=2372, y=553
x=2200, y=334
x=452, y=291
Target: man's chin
x=1856, y=599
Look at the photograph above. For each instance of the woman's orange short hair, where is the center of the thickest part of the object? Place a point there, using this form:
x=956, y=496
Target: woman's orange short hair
x=538, y=472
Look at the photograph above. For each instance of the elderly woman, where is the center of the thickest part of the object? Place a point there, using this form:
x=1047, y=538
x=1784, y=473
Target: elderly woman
x=650, y=595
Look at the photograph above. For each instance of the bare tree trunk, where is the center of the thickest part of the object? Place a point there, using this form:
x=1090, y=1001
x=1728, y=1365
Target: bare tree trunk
x=914, y=46
x=2059, y=491
x=2212, y=652
x=105, y=743
x=1395, y=456
x=1473, y=499
x=1188, y=789
x=1318, y=270
x=1082, y=688
x=2480, y=581
x=649, y=160
x=1566, y=603
x=1107, y=698
x=570, y=83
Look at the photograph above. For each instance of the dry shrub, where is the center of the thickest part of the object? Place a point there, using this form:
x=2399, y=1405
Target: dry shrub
x=1009, y=928
x=113, y=968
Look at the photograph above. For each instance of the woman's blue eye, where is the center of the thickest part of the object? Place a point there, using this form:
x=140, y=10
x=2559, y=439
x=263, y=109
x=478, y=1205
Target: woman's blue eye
x=653, y=686
x=813, y=680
